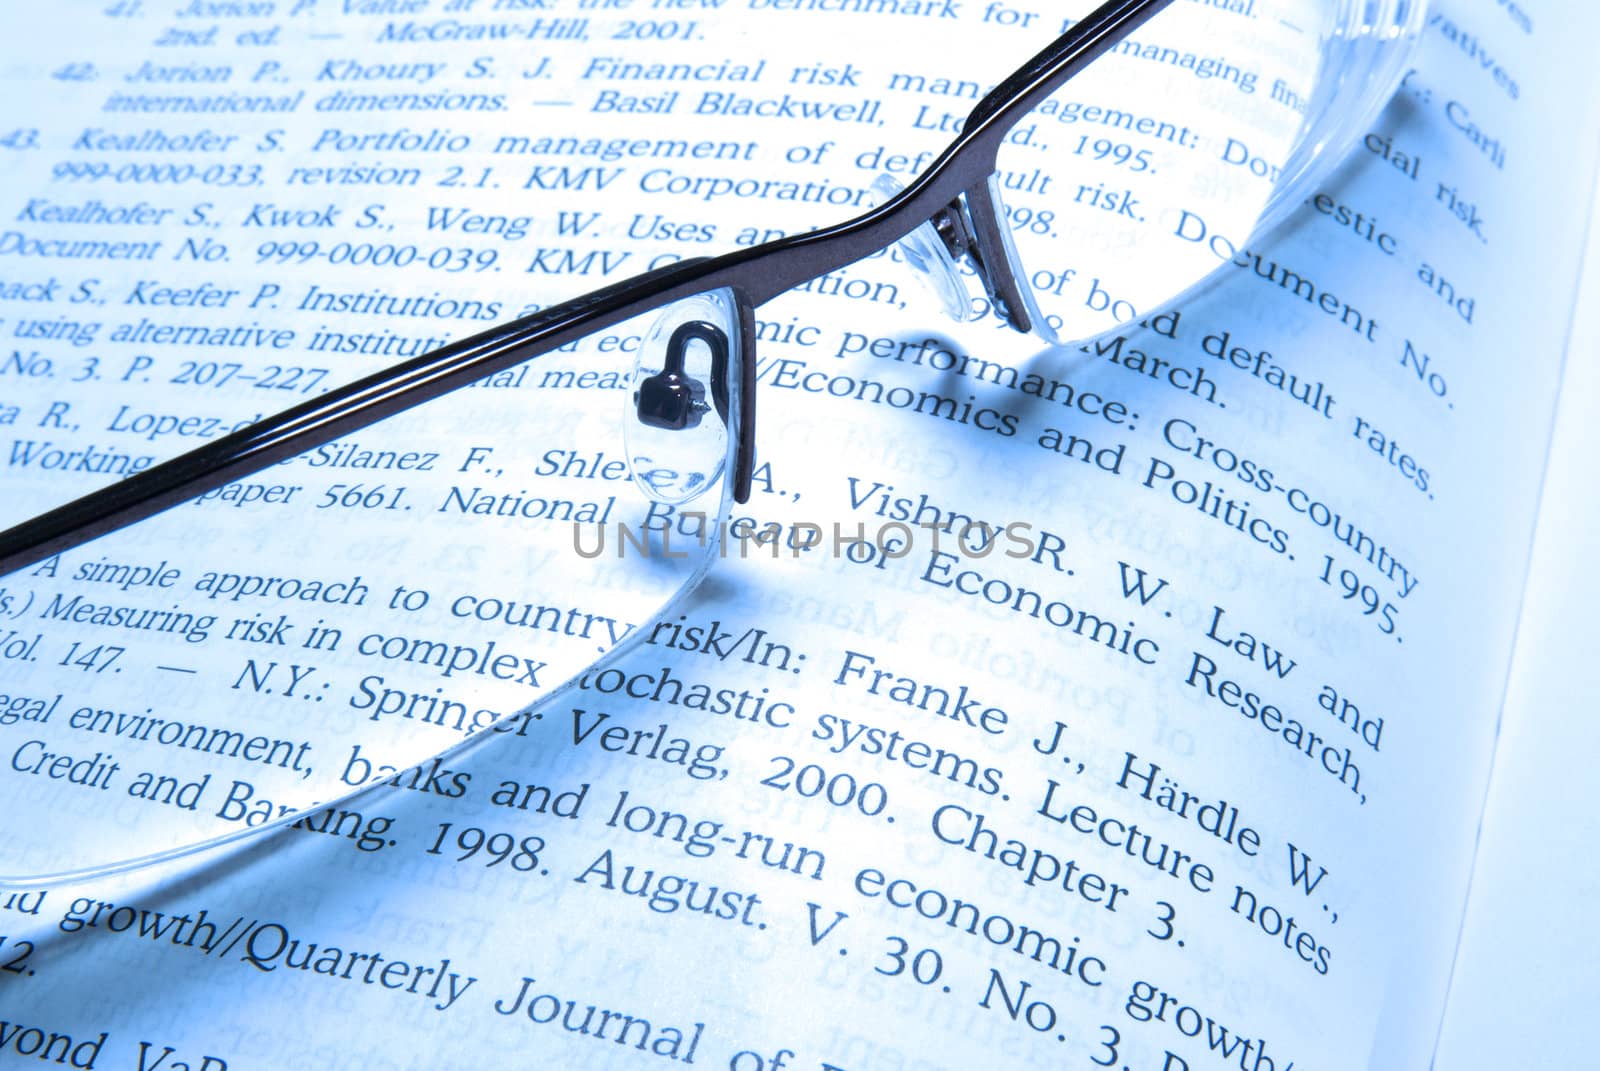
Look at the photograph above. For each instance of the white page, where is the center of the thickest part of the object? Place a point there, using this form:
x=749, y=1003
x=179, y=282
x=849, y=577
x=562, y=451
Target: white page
x=869, y=993
x=1523, y=982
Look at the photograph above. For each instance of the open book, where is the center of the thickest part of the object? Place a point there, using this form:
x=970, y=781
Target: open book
x=1194, y=782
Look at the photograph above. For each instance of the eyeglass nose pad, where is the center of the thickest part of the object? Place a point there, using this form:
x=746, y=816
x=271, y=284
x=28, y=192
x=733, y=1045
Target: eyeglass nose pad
x=929, y=258
x=1004, y=275
x=676, y=429
x=674, y=400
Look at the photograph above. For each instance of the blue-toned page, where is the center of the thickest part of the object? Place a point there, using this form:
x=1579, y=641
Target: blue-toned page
x=1121, y=703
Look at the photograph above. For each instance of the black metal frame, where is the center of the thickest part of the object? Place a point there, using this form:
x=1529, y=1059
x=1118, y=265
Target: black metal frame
x=957, y=179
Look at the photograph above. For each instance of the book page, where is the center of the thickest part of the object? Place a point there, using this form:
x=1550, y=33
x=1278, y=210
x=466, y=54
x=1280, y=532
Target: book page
x=1134, y=709
x=1522, y=983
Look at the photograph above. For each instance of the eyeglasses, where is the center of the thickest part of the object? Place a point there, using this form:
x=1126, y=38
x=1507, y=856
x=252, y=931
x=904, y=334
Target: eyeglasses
x=345, y=593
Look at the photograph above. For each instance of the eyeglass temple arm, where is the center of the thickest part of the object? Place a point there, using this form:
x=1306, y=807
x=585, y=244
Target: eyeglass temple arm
x=1088, y=39
x=330, y=416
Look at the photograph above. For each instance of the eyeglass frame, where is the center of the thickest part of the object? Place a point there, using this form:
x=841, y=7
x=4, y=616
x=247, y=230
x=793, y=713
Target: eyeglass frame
x=952, y=193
